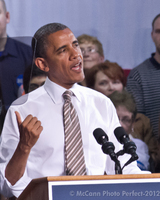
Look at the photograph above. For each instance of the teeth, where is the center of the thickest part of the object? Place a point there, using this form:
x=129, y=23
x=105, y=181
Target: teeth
x=77, y=64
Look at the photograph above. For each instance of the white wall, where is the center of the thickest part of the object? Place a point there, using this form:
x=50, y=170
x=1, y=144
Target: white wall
x=123, y=26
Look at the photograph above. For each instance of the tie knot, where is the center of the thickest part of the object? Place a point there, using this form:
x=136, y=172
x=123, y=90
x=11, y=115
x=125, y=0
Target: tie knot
x=67, y=95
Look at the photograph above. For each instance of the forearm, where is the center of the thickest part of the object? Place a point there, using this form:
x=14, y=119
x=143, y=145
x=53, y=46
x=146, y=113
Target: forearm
x=17, y=164
x=30, y=130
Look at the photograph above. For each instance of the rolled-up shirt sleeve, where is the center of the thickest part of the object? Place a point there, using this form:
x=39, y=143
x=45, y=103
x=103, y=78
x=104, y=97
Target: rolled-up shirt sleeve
x=8, y=144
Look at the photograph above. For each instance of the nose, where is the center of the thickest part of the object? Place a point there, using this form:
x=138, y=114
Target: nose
x=75, y=53
x=85, y=52
x=111, y=86
x=85, y=55
x=121, y=123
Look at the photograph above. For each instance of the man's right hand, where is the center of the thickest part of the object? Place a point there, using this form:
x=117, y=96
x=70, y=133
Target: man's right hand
x=30, y=130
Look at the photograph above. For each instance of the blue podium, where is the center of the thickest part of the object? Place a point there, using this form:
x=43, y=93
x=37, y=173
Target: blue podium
x=110, y=187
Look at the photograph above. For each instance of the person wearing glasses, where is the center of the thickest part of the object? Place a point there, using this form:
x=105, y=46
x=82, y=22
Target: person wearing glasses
x=92, y=51
x=127, y=111
x=108, y=78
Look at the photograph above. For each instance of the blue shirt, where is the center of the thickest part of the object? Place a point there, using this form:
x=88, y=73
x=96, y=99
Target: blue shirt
x=13, y=61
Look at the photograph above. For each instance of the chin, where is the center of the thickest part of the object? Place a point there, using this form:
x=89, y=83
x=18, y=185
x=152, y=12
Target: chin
x=87, y=65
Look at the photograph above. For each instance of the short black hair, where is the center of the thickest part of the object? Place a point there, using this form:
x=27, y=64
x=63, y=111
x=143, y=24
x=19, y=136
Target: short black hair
x=39, y=40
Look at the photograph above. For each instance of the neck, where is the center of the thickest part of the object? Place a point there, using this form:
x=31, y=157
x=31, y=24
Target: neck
x=3, y=43
x=157, y=57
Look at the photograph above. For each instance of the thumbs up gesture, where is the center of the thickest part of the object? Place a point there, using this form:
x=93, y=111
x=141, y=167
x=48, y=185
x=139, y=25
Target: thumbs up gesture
x=30, y=130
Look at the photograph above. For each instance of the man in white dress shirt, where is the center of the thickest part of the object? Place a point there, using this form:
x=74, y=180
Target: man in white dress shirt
x=32, y=144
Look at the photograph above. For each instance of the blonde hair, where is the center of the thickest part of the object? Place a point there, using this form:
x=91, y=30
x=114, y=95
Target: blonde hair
x=87, y=38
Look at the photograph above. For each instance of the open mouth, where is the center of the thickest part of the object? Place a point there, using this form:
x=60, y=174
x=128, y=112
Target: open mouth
x=77, y=67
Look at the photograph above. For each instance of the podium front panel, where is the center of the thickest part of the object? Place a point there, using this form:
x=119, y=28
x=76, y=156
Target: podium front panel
x=122, y=189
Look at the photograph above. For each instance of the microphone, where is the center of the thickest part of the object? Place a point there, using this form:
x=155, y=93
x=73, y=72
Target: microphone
x=102, y=138
x=107, y=147
x=123, y=138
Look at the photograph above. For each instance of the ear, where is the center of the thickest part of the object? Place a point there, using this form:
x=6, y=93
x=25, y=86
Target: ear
x=7, y=17
x=41, y=64
x=152, y=35
x=102, y=59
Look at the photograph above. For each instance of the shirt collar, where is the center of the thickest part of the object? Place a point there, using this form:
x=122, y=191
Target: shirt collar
x=56, y=91
x=10, y=48
x=153, y=61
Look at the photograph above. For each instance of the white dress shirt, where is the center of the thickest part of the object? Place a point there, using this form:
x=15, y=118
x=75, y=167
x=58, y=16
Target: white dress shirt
x=47, y=156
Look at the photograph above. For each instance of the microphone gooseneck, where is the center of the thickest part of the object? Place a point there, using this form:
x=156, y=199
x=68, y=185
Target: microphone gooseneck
x=107, y=147
x=129, y=147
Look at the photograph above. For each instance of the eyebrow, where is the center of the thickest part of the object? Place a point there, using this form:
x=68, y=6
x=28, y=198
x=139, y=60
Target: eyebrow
x=64, y=46
x=157, y=29
x=76, y=41
x=90, y=46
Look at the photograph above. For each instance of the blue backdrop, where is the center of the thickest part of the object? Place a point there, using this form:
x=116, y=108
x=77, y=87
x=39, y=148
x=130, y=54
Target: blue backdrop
x=123, y=26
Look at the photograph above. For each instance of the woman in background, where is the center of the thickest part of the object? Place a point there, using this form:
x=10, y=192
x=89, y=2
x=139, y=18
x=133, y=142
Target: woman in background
x=136, y=126
x=108, y=77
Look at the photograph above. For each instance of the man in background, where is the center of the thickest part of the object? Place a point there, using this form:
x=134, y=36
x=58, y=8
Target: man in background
x=14, y=58
x=144, y=80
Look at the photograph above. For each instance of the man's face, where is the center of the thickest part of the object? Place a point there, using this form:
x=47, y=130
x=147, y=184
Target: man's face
x=64, y=59
x=4, y=19
x=90, y=55
x=156, y=34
